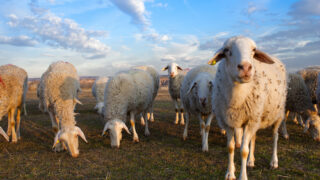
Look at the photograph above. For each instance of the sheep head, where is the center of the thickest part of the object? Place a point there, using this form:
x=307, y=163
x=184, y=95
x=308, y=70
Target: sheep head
x=173, y=69
x=69, y=137
x=115, y=130
x=240, y=53
x=313, y=125
x=201, y=89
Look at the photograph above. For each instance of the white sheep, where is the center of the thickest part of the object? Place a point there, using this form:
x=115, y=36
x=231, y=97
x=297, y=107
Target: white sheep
x=98, y=92
x=176, y=76
x=299, y=101
x=13, y=89
x=156, y=79
x=195, y=92
x=250, y=92
x=127, y=93
x=60, y=86
x=310, y=75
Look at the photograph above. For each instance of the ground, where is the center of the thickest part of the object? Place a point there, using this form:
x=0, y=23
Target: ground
x=162, y=155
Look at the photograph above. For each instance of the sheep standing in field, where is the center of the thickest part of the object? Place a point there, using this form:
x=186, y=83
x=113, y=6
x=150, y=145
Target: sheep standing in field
x=13, y=89
x=127, y=93
x=299, y=101
x=195, y=92
x=310, y=75
x=175, y=82
x=249, y=92
x=98, y=92
x=59, y=89
x=156, y=80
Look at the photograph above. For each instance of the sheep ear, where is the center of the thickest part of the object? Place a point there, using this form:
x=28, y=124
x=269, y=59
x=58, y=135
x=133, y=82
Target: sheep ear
x=106, y=127
x=57, y=139
x=178, y=67
x=193, y=85
x=217, y=57
x=124, y=126
x=75, y=100
x=165, y=68
x=262, y=57
x=307, y=125
x=81, y=134
x=4, y=134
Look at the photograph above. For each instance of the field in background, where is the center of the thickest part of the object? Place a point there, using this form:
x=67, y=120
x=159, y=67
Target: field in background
x=162, y=155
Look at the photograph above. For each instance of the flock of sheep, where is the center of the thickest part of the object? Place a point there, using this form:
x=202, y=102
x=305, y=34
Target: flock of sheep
x=248, y=91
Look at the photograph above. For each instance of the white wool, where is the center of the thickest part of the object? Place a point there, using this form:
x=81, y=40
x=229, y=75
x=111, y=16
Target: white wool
x=98, y=92
x=248, y=93
x=129, y=92
x=196, y=91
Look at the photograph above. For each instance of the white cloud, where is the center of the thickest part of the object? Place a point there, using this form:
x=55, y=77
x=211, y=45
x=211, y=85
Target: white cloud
x=62, y=32
x=18, y=41
x=305, y=8
x=162, y=5
x=135, y=9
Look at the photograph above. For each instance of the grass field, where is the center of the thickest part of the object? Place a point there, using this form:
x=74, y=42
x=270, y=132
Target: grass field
x=162, y=155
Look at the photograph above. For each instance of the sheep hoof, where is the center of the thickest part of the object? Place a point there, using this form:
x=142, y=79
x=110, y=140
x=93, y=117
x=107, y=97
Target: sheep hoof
x=136, y=139
x=286, y=136
x=250, y=163
x=223, y=132
x=182, y=123
x=274, y=164
x=147, y=133
x=176, y=122
x=151, y=120
x=205, y=149
x=230, y=176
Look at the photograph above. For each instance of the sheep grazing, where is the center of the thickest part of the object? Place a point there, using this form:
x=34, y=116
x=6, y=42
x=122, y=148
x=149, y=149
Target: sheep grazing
x=127, y=93
x=13, y=89
x=98, y=92
x=310, y=75
x=195, y=92
x=299, y=101
x=175, y=82
x=156, y=80
x=250, y=92
x=58, y=89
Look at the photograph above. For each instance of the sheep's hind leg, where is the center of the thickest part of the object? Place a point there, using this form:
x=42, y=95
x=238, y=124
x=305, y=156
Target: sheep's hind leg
x=135, y=135
x=146, y=128
x=274, y=160
x=18, y=122
x=12, y=126
x=251, y=152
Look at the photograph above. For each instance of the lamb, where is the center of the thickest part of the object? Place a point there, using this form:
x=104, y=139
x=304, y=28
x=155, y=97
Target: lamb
x=59, y=87
x=156, y=80
x=175, y=82
x=98, y=92
x=195, y=95
x=13, y=89
x=310, y=75
x=249, y=92
x=299, y=101
x=127, y=93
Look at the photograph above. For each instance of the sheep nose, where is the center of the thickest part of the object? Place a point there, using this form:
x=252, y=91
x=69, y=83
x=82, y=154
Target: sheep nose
x=203, y=101
x=246, y=67
x=172, y=74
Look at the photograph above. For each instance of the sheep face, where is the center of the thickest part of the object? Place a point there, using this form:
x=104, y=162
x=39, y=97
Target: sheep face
x=315, y=127
x=69, y=137
x=173, y=69
x=115, y=130
x=240, y=53
x=201, y=89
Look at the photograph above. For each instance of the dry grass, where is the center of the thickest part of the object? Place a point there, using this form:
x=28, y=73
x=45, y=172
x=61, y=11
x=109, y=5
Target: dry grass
x=162, y=155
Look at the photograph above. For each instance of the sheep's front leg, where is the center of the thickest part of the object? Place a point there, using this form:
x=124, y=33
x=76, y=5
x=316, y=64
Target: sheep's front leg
x=251, y=153
x=284, y=129
x=238, y=132
x=12, y=125
x=231, y=145
x=177, y=111
x=274, y=160
x=9, y=124
x=146, y=128
x=181, y=114
x=18, y=122
x=202, y=124
x=135, y=135
x=54, y=121
x=151, y=114
x=185, y=132
x=249, y=132
x=205, y=146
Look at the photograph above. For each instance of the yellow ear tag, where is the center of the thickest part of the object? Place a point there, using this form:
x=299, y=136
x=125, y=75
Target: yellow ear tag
x=213, y=62
x=58, y=141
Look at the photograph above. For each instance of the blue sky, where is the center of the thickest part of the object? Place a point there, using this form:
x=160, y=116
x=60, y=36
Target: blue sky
x=101, y=37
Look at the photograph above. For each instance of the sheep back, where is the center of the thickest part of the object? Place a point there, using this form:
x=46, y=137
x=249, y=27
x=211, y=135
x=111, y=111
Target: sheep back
x=310, y=75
